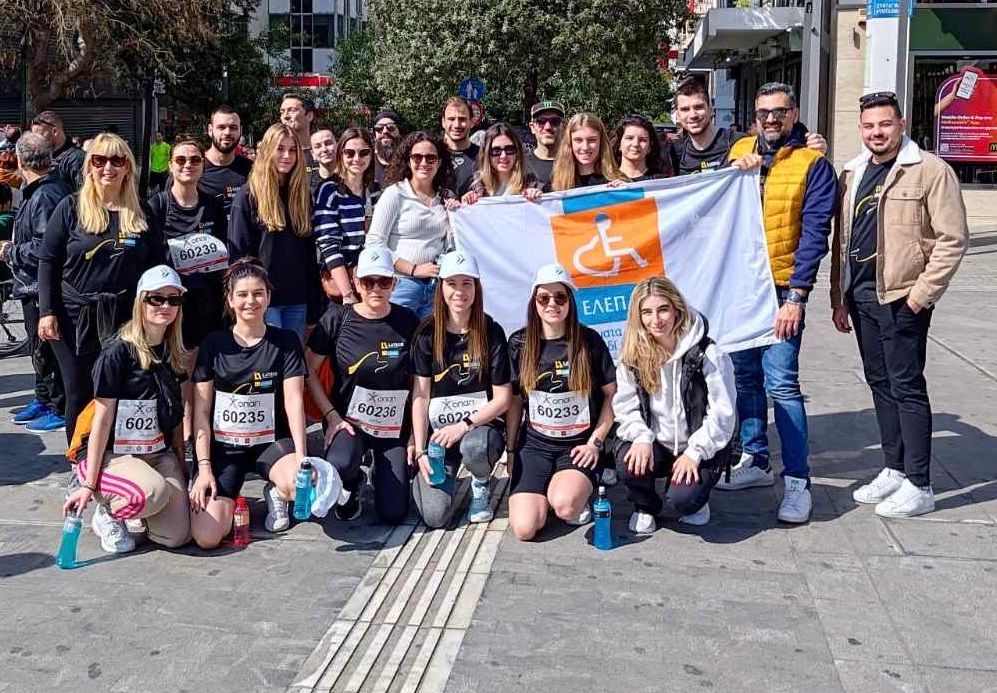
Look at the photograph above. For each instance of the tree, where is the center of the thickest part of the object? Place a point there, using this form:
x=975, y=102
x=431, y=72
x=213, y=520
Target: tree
x=354, y=70
x=590, y=54
x=70, y=41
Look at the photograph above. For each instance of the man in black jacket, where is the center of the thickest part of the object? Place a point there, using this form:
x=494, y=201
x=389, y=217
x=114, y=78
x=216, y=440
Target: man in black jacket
x=45, y=187
x=67, y=158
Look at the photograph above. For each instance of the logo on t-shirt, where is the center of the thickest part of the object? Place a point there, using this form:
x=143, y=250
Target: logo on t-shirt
x=390, y=350
x=264, y=380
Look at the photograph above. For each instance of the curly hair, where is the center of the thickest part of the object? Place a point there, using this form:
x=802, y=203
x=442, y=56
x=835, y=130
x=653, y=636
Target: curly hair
x=400, y=168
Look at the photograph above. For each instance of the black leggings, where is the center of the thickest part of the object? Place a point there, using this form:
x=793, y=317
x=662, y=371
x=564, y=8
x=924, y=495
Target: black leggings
x=77, y=377
x=391, y=471
x=685, y=499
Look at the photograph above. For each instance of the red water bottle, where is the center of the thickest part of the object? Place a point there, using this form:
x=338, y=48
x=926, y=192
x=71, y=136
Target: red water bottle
x=240, y=523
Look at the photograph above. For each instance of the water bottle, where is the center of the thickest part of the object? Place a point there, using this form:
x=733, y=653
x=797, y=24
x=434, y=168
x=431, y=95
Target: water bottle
x=240, y=523
x=437, y=466
x=303, y=491
x=71, y=528
x=603, y=511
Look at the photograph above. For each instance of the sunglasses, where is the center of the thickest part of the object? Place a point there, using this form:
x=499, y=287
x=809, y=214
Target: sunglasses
x=182, y=161
x=99, y=160
x=430, y=159
x=390, y=127
x=508, y=150
x=382, y=283
x=356, y=153
x=159, y=300
x=877, y=96
x=762, y=114
x=553, y=121
x=559, y=299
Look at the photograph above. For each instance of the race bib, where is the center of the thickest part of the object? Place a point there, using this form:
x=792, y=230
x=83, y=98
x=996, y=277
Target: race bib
x=198, y=252
x=244, y=420
x=444, y=411
x=378, y=412
x=559, y=414
x=136, y=428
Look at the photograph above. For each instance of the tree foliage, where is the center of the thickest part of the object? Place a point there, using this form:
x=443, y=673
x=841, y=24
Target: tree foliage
x=594, y=55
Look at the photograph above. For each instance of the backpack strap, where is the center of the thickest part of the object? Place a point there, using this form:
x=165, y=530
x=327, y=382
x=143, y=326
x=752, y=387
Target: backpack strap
x=695, y=395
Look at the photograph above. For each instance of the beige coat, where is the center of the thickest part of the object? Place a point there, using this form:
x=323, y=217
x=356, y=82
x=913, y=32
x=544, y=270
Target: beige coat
x=921, y=229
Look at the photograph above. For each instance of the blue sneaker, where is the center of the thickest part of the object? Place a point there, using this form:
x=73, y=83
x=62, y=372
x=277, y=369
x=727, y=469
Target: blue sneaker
x=49, y=422
x=31, y=412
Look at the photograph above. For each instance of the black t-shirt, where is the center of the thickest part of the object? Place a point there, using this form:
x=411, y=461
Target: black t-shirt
x=543, y=169
x=366, y=353
x=221, y=182
x=460, y=377
x=551, y=406
x=260, y=369
x=862, y=248
x=380, y=171
x=465, y=165
x=312, y=169
x=174, y=221
x=685, y=158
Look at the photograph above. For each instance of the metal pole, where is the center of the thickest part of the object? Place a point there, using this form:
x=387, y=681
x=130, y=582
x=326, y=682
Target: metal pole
x=812, y=76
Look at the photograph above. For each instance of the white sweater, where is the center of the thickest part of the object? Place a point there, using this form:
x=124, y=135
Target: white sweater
x=410, y=229
x=670, y=427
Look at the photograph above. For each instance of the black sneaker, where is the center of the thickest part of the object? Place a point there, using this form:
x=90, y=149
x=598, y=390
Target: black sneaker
x=351, y=509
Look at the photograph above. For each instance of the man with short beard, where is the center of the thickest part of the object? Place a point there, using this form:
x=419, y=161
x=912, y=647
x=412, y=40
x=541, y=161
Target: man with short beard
x=224, y=170
x=67, y=158
x=456, y=123
x=297, y=113
x=387, y=135
x=546, y=119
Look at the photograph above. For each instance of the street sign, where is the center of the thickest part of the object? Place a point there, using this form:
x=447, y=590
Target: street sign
x=477, y=113
x=887, y=9
x=471, y=89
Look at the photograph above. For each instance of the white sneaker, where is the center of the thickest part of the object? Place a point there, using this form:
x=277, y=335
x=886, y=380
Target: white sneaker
x=609, y=477
x=480, y=509
x=744, y=475
x=642, y=523
x=907, y=501
x=114, y=537
x=698, y=518
x=135, y=526
x=880, y=488
x=583, y=518
x=277, y=519
x=796, y=502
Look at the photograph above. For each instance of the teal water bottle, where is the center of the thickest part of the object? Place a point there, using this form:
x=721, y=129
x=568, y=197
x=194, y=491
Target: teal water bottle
x=437, y=467
x=303, y=491
x=71, y=528
x=603, y=511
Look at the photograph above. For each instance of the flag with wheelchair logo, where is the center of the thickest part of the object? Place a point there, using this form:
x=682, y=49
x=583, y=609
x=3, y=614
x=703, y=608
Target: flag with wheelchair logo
x=703, y=231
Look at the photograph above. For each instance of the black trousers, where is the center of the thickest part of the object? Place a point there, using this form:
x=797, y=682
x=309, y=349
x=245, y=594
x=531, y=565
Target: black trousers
x=77, y=374
x=686, y=499
x=390, y=470
x=48, y=378
x=893, y=342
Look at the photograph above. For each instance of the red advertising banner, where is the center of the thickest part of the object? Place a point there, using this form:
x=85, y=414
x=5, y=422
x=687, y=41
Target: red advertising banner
x=966, y=117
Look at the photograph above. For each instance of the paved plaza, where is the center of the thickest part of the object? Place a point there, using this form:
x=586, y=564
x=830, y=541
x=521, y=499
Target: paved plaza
x=847, y=602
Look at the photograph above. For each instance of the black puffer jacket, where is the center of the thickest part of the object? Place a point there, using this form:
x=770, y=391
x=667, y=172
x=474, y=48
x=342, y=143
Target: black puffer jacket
x=40, y=199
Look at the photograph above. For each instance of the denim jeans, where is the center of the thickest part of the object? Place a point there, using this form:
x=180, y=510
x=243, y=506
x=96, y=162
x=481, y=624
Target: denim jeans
x=414, y=294
x=774, y=371
x=291, y=317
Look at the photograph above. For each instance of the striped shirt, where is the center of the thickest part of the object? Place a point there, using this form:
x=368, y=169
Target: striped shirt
x=338, y=222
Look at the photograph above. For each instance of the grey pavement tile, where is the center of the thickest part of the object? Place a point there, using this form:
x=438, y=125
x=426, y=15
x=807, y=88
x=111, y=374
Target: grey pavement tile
x=941, y=679
x=838, y=577
x=880, y=677
x=930, y=538
x=857, y=630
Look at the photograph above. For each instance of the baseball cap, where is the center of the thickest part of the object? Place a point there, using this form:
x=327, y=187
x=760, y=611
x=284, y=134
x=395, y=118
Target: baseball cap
x=456, y=263
x=553, y=274
x=375, y=262
x=546, y=106
x=159, y=277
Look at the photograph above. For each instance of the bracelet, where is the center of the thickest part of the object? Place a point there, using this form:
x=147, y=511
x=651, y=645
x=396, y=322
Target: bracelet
x=411, y=272
x=419, y=455
x=204, y=463
x=90, y=487
x=327, y=412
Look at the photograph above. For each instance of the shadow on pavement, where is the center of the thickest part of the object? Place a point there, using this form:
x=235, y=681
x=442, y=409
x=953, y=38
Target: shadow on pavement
x=20, y=563
x=25, y=461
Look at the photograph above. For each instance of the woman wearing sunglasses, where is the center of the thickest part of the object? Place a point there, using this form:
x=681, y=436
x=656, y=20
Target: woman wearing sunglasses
x=367, y=345
x=584, y=155
x=342, y=212
x=132, y=463
x=249, y=411
x=636, y=149
x=96, y=246
x=272, y=220
x=564, y=377
x=193, y=226
x=502, y=167
x=462, y=389
x=411, y=218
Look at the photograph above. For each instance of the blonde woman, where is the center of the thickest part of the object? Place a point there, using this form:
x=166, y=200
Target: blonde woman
x=96, y=246
x=272, y=220
x=674, y=406
x=132, y=460
x=502, y=167
x=584, y=155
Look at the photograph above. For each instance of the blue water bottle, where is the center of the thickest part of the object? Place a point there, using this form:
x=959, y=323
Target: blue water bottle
x=303, y=491
x=71, y=529
x=603, y=511
x=437, y=468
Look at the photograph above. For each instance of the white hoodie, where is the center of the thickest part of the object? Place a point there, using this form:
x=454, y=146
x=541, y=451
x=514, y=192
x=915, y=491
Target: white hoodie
x=668, y=414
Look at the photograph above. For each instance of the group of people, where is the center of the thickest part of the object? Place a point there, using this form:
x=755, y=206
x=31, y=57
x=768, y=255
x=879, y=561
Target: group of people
x=197, y=333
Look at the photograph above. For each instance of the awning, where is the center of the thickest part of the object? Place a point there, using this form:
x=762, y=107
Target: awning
x=736, y=29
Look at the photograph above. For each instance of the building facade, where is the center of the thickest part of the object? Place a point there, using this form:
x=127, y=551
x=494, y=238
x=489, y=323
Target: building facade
x=315, y=28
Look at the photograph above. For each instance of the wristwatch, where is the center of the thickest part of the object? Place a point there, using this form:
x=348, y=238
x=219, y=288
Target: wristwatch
x=470, y=424
x=597, y=442
x=796, y=296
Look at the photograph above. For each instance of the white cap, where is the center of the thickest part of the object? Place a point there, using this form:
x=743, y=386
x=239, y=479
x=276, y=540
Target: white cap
x=158, y=277
x=375, y=262
x=553, y=273
x=452, y=264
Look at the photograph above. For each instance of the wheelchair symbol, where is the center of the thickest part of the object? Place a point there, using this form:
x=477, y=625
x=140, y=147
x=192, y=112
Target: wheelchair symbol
x=602, y=223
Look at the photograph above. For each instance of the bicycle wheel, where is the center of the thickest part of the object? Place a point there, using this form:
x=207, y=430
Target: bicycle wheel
x=13, y=338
